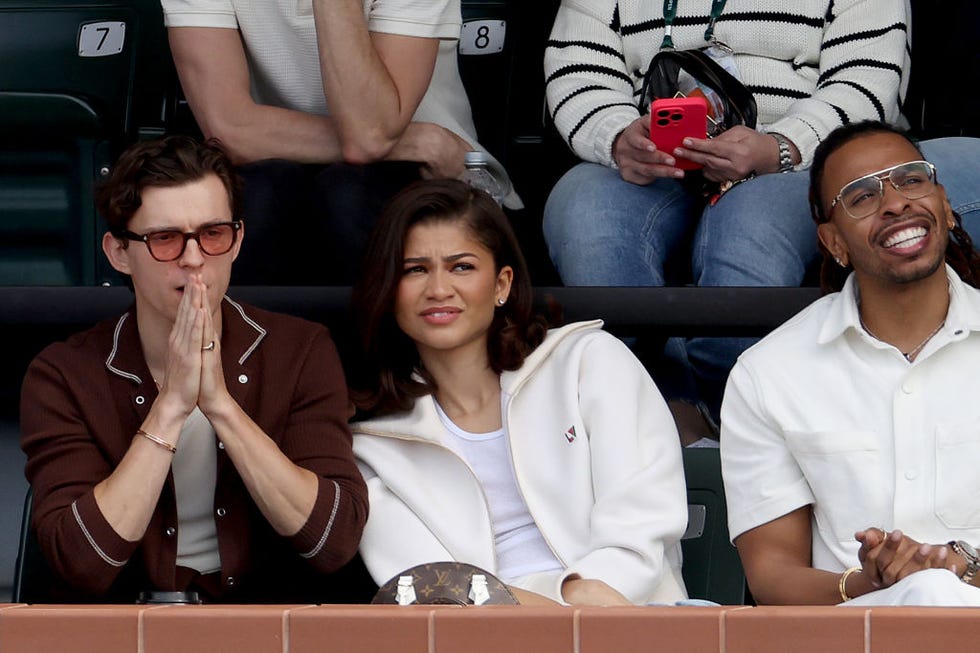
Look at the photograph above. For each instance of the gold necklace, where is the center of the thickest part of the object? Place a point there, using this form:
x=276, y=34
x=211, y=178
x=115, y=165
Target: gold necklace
x=912, y=353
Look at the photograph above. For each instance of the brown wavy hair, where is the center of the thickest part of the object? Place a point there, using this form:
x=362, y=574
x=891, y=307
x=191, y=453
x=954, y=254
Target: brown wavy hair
x=960, y=252
x=389, y=376
x=164, y=162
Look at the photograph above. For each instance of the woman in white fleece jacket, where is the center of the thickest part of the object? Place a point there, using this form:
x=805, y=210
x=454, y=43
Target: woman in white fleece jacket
x=546, y=457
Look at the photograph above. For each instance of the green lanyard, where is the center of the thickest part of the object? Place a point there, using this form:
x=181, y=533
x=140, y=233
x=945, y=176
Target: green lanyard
x=670, y=13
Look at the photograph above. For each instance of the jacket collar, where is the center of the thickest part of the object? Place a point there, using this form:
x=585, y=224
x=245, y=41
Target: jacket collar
x=241, y=336
x=511, y=382
x=963, y=314
x=422, y=422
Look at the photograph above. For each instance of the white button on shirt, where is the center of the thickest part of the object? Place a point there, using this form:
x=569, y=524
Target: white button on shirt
x=821, y=413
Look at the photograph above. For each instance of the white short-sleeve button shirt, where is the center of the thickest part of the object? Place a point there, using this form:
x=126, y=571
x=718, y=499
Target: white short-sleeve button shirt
x=820, y=412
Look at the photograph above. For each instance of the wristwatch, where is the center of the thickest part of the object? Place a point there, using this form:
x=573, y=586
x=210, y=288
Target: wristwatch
x=968, y=551
x=785, y=153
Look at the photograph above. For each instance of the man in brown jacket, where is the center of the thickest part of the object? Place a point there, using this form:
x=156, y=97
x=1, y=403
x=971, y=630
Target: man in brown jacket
x=193, y=443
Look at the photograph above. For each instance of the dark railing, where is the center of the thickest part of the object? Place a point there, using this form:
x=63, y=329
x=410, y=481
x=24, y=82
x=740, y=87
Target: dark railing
x=677, y=310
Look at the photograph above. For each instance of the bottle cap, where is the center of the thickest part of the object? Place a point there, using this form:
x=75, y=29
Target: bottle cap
x=476, y=158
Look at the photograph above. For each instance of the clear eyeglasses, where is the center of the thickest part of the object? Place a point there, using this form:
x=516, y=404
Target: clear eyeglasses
x=862, y=197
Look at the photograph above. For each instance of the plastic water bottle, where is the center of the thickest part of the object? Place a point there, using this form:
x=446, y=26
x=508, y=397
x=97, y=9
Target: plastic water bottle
x=478, y=175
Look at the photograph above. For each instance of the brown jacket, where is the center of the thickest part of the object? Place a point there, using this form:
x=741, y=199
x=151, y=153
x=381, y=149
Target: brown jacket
x=81, y=403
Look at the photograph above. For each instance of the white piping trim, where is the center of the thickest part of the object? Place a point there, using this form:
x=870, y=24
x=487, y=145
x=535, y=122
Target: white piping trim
x=254, y=325
x=91, y=540
x=326, y=532
x=112, y=354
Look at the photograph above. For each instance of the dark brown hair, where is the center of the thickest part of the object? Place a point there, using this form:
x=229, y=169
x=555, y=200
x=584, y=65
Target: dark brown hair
x=165, y=162
x=383, y=381
x=960, y=254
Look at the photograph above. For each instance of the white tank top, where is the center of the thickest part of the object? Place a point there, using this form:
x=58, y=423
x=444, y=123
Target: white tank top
x=521, y=548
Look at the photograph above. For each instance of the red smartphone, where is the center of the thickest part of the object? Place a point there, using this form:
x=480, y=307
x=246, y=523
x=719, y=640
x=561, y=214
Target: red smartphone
x=674, y=119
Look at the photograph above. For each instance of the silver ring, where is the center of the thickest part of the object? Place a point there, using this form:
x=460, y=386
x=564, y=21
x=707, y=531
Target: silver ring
x=208, y=347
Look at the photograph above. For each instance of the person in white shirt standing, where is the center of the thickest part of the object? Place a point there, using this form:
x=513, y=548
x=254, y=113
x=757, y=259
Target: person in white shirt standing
x=849, y=437
x=333, y=104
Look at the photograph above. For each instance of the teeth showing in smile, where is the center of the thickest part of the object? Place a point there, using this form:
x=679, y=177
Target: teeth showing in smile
x=906, y=237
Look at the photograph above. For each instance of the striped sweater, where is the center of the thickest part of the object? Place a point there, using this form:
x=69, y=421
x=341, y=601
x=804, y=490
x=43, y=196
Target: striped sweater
x=812, y=65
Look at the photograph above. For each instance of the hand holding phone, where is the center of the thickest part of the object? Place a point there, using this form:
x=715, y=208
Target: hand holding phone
x=674, y=119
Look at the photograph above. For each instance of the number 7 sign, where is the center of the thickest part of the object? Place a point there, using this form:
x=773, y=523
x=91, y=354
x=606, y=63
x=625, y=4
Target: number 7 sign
x=101, y=39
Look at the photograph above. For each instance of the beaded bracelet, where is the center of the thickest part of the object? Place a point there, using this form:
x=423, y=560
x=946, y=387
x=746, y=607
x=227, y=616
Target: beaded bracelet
x=160, y=442
x=842, y=585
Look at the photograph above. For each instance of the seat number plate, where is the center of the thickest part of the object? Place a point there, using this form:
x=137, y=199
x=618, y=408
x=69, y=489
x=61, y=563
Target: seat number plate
x=102, y=39
x=482, y=37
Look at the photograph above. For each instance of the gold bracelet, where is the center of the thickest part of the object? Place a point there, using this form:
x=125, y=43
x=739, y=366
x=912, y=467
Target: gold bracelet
x=842, y=585
x=160, y=442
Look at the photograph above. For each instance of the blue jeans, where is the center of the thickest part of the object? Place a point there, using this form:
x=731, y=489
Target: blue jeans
x=604, y=231
x=957, y=161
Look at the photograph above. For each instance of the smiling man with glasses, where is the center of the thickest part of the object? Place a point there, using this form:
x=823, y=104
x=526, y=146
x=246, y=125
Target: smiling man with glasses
x=850, y=435
x=194, y=444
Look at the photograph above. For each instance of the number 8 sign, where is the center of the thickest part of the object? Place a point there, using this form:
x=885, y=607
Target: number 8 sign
x=482, y=37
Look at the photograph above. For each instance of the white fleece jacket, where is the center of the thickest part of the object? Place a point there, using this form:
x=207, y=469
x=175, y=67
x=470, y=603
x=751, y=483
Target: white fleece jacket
x=596, y=456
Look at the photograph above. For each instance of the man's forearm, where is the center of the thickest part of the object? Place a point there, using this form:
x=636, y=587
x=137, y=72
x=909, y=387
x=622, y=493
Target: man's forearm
x=373, y=82
x=215, y=77
x=267, y=132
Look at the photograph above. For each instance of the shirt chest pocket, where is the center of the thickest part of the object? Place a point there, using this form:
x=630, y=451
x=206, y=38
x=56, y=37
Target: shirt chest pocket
x=957, y=476
x=842, y=469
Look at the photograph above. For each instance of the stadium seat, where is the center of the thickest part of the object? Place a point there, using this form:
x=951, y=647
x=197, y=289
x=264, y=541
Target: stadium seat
x=486, y=60
x=12, y=488
x=506, y=91
x=31, y=576
x=712, y=569
x=79, y=81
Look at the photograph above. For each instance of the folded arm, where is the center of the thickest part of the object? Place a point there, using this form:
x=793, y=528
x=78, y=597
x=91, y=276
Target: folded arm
x=215, y=78
x=214, y=75
x=373, y=81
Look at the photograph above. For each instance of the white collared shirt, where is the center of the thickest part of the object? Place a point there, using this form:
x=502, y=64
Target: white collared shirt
x=819, y=412
x=280, y=42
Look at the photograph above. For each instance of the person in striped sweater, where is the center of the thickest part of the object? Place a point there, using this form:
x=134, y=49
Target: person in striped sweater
x=624, y=215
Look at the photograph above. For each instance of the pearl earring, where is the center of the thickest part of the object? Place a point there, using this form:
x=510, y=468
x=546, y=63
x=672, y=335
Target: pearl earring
x=840, y=262
x=500, y=302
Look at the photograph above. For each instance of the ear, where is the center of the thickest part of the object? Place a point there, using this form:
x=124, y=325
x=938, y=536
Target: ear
x=504, y=280
x=117, y=252
x=830, y=237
